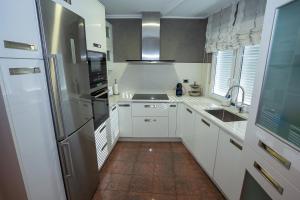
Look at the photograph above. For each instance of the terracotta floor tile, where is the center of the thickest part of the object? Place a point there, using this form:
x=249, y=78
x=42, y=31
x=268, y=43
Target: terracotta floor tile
x=187, y=170
x=164, y=170
x=147, y=157
x=187, y=197
x=156, y=146
x=121, y=167
x=163, y=158
x=119, y=182
x=104, y=179
x=141, y=168
x=139, y=196
x=185, y=186
x=141, y=184
x=163, y=197
x=164, y=185
x=127, y=156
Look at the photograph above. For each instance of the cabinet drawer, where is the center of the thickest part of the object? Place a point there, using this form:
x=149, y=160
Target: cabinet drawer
x=101, y=144
x=282, y=157
x=274, y=184
x=150, y=109
x=150, y=126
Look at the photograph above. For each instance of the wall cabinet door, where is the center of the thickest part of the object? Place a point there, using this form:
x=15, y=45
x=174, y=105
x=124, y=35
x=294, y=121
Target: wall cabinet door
x=152, y=127
x=125, y=119
x=228, y=168
x=172, y=120
x=187, y=126
x=206, y=141
x=19, y=35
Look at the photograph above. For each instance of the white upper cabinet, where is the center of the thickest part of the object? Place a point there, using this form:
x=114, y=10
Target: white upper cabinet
x=19, y=35
x=94, y=14
x=206, y=141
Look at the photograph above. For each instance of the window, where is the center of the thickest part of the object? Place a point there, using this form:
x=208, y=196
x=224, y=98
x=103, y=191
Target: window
x=248, y=71
x=223, y=72
x=236, y=67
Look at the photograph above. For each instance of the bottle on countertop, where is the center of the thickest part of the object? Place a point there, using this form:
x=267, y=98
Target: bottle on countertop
x=116, y=88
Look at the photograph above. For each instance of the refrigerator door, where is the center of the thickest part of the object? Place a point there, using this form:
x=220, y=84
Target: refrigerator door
x=64, y=44
x=79, y=163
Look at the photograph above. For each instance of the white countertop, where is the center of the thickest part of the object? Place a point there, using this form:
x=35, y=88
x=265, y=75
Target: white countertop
x=199, y=104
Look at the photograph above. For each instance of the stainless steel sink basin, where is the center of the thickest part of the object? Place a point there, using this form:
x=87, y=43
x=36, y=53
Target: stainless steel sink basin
x=225, y=116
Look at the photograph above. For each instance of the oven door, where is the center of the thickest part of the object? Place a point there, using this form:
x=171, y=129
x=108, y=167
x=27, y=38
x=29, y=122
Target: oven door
x=97, y=69
x=100, y=107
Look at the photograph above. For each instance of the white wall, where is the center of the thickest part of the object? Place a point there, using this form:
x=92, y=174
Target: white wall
x=157, y=78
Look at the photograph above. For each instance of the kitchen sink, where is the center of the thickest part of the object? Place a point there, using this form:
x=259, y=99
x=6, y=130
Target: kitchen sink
x=225, y=116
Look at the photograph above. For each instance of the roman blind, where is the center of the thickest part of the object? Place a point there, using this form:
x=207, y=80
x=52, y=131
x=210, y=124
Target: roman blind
x=223, y=72
x=248, y=71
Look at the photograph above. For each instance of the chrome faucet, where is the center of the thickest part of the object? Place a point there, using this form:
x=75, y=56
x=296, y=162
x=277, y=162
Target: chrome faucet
x=239, y=107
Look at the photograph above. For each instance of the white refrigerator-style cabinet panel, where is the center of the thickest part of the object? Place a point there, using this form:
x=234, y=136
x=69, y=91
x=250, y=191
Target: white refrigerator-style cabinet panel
x=19, y=35
x=24, y=87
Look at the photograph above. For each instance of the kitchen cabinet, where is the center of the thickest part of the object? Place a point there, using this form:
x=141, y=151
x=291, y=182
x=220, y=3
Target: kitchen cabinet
x=206, y=141
x=101, y=144
x=172, y=120
x=113, y=126
x=228, y=166
x=153, y=127
x=125, y=119
x=109, y=46
x=187, y=126
x=23, y=87
x=19, y=35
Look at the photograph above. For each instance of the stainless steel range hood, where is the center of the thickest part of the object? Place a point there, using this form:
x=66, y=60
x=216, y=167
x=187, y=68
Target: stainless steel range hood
x=150, y=40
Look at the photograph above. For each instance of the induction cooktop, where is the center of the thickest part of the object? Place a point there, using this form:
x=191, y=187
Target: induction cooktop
x=150, y=97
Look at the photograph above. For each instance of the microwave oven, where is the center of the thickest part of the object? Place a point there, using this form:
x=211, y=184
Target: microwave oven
x=97, y=69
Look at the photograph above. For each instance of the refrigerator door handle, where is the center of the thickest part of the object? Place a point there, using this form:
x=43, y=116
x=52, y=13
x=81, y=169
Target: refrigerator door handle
x=53, y=79
x=67, y=159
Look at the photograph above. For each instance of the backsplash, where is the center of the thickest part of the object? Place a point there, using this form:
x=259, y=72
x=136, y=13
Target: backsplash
x=157, y=78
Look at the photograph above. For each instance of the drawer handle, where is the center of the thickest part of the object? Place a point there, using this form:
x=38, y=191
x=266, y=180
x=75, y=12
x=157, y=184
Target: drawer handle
x=189, y=111
x=19, y=45
x=236, y=144
x=173, y=106
x=97, y=45
x=104, y=146
x=124, y=105
x=268, y=177
x=114, y=108
x=102, y=129
x=24, y=70
x=147, y=120
x=205, y=122
x=150, y=106
x=275, y=155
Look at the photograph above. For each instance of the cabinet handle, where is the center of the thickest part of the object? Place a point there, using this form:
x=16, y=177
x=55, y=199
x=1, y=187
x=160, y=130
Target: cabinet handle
x=240, y=147
x=150, y=106
x=19, y=45
x=124, y=105
x=189, y=111
x=147, y=120
x=102, y=128
x=97, y=45
x=104, y=146
x=205, y=122
x=173, y=106
x=268, y=177
x=114, y=108
x=275, y=155
x=24, y=70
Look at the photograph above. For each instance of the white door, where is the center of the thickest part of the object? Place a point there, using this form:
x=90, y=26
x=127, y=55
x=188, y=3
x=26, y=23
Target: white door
x=228, y=166
x=24, y=88
x=187, y=126
x=19, y=35
x=125, y=120
x=206, y=141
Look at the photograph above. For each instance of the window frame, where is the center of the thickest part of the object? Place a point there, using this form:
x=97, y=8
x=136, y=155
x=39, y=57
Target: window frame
x=236, y=72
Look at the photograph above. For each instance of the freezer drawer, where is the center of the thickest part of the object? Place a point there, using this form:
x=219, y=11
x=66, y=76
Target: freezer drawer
x=79, y=163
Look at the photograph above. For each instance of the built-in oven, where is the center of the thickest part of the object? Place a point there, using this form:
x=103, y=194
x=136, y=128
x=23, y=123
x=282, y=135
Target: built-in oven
x=97, y=69
x=100, y=106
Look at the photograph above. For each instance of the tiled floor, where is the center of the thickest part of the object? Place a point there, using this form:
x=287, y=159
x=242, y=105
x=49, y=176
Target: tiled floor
x=153, y=171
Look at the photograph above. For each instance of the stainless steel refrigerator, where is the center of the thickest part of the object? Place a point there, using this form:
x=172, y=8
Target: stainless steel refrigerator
x=65, y=55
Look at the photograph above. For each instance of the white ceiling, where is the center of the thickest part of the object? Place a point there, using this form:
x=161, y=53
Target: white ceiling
x=168, y=8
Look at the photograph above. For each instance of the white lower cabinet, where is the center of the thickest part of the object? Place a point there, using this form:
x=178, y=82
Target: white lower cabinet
x=101, y=144
x=150, y=127
x=125, y=119
x=228, y=172
x=172, y=120
x=205, y=143
x=187, y=126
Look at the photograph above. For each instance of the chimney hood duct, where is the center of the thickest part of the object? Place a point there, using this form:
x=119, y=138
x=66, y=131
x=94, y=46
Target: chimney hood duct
x=150, y=40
